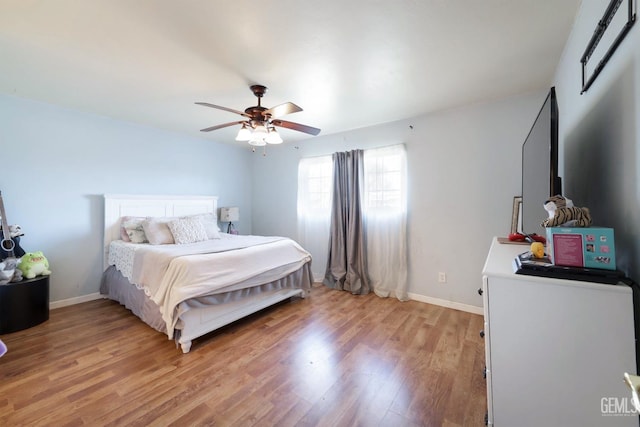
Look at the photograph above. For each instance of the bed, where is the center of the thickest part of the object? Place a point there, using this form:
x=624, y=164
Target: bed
x=186, y=283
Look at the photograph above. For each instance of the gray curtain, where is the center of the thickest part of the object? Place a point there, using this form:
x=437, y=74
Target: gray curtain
x=347, y=263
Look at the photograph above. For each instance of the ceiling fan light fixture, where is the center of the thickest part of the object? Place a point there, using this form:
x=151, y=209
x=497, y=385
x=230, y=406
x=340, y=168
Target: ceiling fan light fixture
x=257, y=142
x=244, y=134
x=273, y=137
x=260, y=132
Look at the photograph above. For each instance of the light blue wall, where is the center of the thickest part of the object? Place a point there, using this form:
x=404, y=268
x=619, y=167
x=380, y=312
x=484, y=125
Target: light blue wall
x=464, y=170
x=600, y=136
x=57, y=163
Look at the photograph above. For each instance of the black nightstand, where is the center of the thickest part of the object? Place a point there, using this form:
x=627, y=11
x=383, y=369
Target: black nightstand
x=24, y=304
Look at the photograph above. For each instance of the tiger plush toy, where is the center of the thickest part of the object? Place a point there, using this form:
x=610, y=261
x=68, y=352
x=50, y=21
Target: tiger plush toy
x=562, y=213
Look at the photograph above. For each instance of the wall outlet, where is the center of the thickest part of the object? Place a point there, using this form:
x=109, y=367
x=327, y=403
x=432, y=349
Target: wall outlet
x=442, y=277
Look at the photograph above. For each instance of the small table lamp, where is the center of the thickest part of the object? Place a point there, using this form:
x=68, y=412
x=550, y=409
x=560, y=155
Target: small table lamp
x=230, y=215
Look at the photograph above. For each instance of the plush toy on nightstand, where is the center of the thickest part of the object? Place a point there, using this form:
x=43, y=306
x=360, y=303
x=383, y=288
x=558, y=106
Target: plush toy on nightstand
x=562, y=213
x=9, y=272
x=34, y=264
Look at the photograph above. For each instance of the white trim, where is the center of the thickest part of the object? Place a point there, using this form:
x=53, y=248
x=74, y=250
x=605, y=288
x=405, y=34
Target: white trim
x=157, y=197
x=437, y=301
x=446, y=303
x=75, y=300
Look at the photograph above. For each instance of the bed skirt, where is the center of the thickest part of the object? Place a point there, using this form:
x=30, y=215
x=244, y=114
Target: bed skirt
x=116, y=287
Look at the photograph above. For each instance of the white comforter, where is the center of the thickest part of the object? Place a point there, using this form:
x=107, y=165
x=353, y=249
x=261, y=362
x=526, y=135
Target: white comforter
x=171, y=274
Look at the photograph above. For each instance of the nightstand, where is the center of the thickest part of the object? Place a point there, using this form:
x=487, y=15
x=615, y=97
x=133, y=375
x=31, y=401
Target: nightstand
x=24, y=304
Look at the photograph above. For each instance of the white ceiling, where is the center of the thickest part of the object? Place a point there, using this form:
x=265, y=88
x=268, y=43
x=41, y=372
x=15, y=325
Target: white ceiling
x=347, y=63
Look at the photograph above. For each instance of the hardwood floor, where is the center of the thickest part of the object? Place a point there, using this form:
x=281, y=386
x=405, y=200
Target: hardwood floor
x=333, y=359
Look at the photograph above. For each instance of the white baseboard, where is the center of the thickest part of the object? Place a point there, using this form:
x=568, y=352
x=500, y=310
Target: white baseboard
x=441, y=302
x=75, y=300
x=446, y=303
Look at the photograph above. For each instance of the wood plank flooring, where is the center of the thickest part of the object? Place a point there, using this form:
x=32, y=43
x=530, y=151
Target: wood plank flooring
x=332, y=359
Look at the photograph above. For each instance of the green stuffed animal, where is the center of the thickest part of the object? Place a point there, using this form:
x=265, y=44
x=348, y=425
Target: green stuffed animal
x=34, y=264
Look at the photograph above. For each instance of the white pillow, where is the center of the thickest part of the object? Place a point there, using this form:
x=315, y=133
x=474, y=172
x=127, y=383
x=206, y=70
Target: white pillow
x=157, y=231
x=187, y=230
x=210, y=223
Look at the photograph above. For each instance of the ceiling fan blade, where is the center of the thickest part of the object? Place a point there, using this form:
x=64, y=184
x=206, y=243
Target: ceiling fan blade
x=231, y=110
x=282, y=109
x=221, y=126
x=296, y=126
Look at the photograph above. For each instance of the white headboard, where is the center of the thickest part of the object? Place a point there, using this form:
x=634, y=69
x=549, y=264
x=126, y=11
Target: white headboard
x=118, y=205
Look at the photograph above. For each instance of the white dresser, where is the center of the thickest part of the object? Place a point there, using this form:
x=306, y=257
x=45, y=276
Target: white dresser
x=556, y=350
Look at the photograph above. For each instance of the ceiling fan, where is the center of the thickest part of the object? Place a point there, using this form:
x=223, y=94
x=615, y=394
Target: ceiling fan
x=259, y=125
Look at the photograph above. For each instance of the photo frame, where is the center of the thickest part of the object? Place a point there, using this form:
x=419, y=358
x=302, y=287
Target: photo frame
x=607, y=36
x=515, y=214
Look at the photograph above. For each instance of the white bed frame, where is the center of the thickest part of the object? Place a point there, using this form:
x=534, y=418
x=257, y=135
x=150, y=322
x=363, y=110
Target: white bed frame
x=196, y=321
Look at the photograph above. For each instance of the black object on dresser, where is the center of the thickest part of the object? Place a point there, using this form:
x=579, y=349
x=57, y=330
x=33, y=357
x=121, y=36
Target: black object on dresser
x=24, y=304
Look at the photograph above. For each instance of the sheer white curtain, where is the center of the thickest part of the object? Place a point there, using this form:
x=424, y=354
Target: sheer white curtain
x=314, y=209
x=385, y=215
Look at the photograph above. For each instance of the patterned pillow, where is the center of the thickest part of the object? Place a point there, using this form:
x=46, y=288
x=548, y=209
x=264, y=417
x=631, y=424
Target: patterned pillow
x=131, y=229
x=123, y=232
x=187, y=230
x=210, y=223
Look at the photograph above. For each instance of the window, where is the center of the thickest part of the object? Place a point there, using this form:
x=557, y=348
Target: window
x=385, y=182
x=314, y=186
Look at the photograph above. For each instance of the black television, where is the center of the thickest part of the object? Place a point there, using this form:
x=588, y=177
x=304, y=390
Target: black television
x=540, y=178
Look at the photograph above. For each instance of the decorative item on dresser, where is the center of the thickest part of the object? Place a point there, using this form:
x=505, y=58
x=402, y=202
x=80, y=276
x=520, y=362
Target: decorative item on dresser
x=555, y=349
x=187, y=290
x=515, y=214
